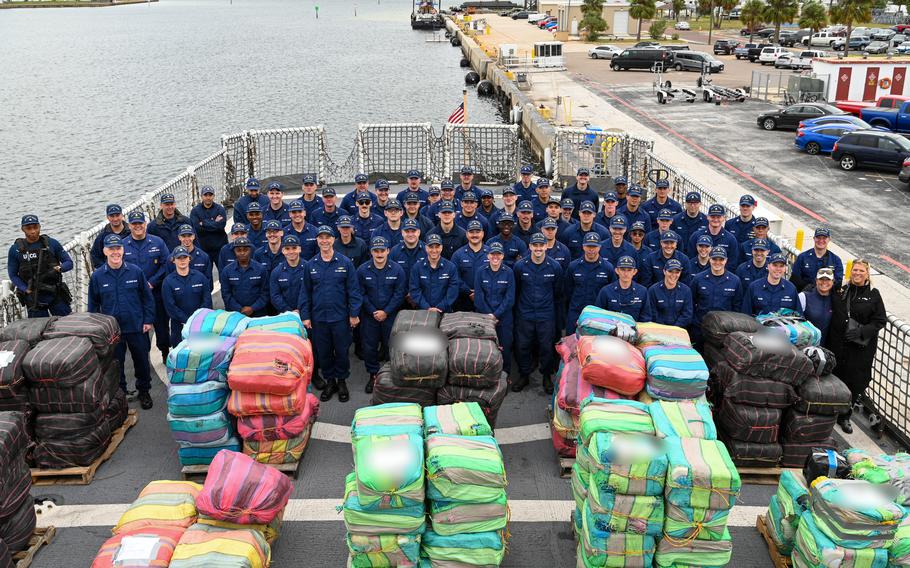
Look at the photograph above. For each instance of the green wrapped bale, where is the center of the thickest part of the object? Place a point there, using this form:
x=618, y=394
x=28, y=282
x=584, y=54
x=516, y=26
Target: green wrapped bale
x=468, y=469
x=476, y=549
x=899, y=553
x=673, y=553
x=786, y=508
x=461, y=419
x=383, y=551
x=389, y=471
x=623, y=416
x=632, y=464
x=453, y=517
x=388, y=419
x=600, y=549
x=700, y=474
x=854, y=513
x=683, y=419
x=360, y=520
x=615, y=512
x=686, y=523
x=813, y=549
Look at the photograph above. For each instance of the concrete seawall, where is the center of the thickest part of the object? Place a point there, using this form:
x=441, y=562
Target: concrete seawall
x=68, y=4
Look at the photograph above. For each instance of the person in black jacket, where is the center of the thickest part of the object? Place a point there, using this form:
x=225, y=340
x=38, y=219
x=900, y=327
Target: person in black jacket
x=858, y=313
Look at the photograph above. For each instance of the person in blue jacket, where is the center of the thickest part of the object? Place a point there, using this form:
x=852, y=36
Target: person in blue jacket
x=36, y=264
x=741, y=226
x=253, y=195
x=115, y=225
x=772, y=293
x=119, y=289
x=664, y=224
x=276, y=210
x=149, y=253
x=330, y=302
x=513, y=247
x=555, y=249
x=226, y=256
x=671, y=300
x=756, y=268
x=660, y=202
x=509, y=207
x=632, y=210
x=434, y=283
x=453, y=237
x=621, y=188
x=409, y=251
x=311, y=201
x=637, y=240
x=467, y=260
x=349, y=244
x=541, y=201
x=255, y=228
x=487, y=207
x=168, y=221
x=494, y=294
x=384, y=286
x=617, y=246
x=524, y=188
x=716, y=289
x=287, y=278
x=700, y=261
x=245, y=282
x=199, y=261
x=691, y=220
x=361, y=186
x=552, y=211
x=413, y=212
x=567, y=209
x=269, y=253
x=581, y=191
x=809, y=262
x=390, y=229
x=538, y=284
x=609, y=210
x=625, y=295
x=330, y=212
x=720, y=237
x=466, y=182
x=760, y=229
x=184, y=291
x=413, y=182
x=469, y=213
x=656, y=261
x=574, y=235
x=447, y=195
x=524, y=222
x=209, y=220
x=298, y=227
x=364, y=220
x=381, y=199
x=584, y=278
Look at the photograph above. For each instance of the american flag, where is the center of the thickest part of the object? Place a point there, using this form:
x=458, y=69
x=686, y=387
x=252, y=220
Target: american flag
x=457, y=117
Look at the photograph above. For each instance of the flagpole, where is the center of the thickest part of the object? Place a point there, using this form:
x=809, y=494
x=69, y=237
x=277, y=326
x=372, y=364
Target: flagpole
x=464, y=93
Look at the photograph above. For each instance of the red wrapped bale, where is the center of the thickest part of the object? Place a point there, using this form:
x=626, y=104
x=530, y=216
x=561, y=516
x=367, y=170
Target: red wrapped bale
x=150, y=547
x=269, y=427
x=573, y=389
x=253, y=404
x=237, y=489
x=270, y=362
x=612, y=363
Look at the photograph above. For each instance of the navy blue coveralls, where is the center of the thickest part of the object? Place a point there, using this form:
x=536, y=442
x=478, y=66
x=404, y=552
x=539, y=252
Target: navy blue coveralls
x=671, y=307
x=574, y=235
x=393, y=236
x=151, y=255
x=284, y=285
x=452, y=240
x=97, y=252
x=245, y=287
x=166, y=229
x=749, y=273
x=686, y=226
x=583, y=281
x=307, y=238
x=183, y=295
x=652, y=208
x=713, y=293
x=467, y=262
x=633, y=301
x=406, y=257
x=240, y=206
x=494, y=293
x=579, y=196
x=656, y=261
x=200, y=262
x=537, y=287
x=723, y=239
x=382, y=290
x=742, y=230
x=612, y=253
x=762, y=297
x=434, y=287
x=209, y=232
x=282, y=215
x=514, y=248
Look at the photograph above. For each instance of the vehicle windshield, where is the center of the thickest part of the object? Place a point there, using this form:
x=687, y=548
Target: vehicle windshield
x=831, y=109
x=768, y=50
x=902, y=142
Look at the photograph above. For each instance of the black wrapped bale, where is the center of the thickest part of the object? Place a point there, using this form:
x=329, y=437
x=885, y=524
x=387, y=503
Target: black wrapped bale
x=15, y=483
x=18, y=403
x=102, y=330
x=748, y=423
x=822, y=359
x=30, y=330
x=419, y=358
x=823, y=461
x=16, y=530
x=62, y=362
x=468, y=325
x=716, y=326
x=823, y=395
x=767, y=355
x=83, y=397
x=117, y=410
x=749, y=454
x=67, y=426
x=408, y=320
x=385, y=390
x=12, y=377
x=474, y=363
x=754, y=391
x=796, y=453
x=800, y=427
x=14, y=439
x=58, y=454
x=6, y=556
x=490, y=399
x=713, y=355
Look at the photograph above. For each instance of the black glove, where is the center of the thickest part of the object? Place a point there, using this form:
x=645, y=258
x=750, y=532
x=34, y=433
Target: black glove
x=852, y=335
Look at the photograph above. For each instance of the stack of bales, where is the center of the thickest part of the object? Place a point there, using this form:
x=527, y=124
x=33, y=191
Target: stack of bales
x=417, y=360
x=785, y=510
x=716, y=326
x=15, y=341
x=17, y=512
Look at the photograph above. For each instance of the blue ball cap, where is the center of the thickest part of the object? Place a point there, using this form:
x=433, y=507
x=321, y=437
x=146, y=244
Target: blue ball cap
x=277, y=186
x=344, y=222
x=761, y=222
x=717, y=209
x=583, y=171
x=135, y=216
x=508, y=190
x=238, y=228
x=665, y=215
x=411, y=197
x=611, y=196
x=662, y=183
x=638, y=226
x=113, y=209
x=310, y=179
x=704, y=240
x=568, y=204
x=241, y=242
x=538, y=239
x=447, y=207
x=747, y=200
x=525, y=206
x=413, y=174
x=112, y=241
x=496, y=248
x=467, y=171
x=673, y=264
x=254, y=207
x=619, y=221
x=168, y=198
x=527, y=169
x=272, y=225
x=587, y=206
x=635, y=190
x=475, y=226
x=718, y=252
x=777, y=258
x=468, y=196
x=410, y=225
x=760, y=244
x=543, y=182
x=252, y=184
x=447, y=184
x=296, y=205
x=325, y=230
x=180, y=252
x=363, y=196
x=626, y=261
x=361, y=178
x=549, y=223
x=693, y=197
x=433, y=190
x=620, y=180
x=823, y=232
x=434, y=240
x=505, y=218
x=381, y=184
x=29, y=220
x=185, y=230
x=591, y=238
x=379, y=243
x=328, y=192
x=485, y=193
x=207, y=190
x=290, y=241
x=393, y=204
x=668, y=236
x=554, y=199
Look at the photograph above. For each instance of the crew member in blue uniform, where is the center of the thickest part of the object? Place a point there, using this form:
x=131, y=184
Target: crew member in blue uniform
x=554, y=208
x=115, y=226
x=119, y=289
x=276, y=210
x=305, y=232
x=509, y=206
x=255, y=228
x=447, y=195
x=567, y=209
x=253, y=195
x=168, y=221
x=700, y=261
x=580, y=191
x=149, y=253
x=384, y=287
x=199, y=261
x=609, y=210
x=226, y=256
x=555, y=249
x=365, y=220
x=760, y=229
x=382, y=198
x=286, y=279
x=671, y=300
x=361, y=186
x=661, y=201
x=467, y=259
x=494, y=294
x=184, y=291
x=756, y=268
x=542, y=200
x=414, y=178
x=209, y=220
x=453, y=237
x=621, y=187
x=36, y=264
x=412, y=211
x=524, y=222
x=773, y=292
x=720, y=237
x=330, y=302
x=469, y=213
x=487, y=206
x=311, y=201
x=513, y=247
x=664, y=224
x=632, y=210
x=625, y=295
x=538, y=283
x=524, y=188
x=584, y=278
x=574, y=235
x=434, y=283
x=390, y=229
x=637, y=240
x=690, y=221
x=716, y=289
x=741, y=226
x=433, y=196
x=409, y=251
x=617, y=246
x=466, y=178
x=657, y=261
x=329, y=213
x=349, y=244
x=245, y=282
x=809, y=262
x=269, y=254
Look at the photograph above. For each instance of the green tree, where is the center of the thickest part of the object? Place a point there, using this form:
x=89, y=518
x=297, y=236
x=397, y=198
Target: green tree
x=678, y=6
x=725, y=7
x=813, y=16
x=642, y=10
x=849, y=12
x=752, y=15
x=592, y=20
x=704, y=7
x=657, y=29
x=780, y=12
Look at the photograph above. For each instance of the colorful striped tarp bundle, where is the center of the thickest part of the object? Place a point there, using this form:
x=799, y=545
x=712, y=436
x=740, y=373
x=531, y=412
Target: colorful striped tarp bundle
x=464, y=549
x=287, y=322
x=158, y=544
x=565, y=426
x=597, y=321
x=672, y=553
x=382, y=551
x=210, y=430
x=599, y=549
x=683, y=419
x=161, y=504
x=200, y=358
x=631, y=464
x=257, y=403
x=468, y=469
x=815, y=549
x=608, y=511
x=270, y=362
x=215, y=322
x=204, y=456
x=612, y=363
x=205, y=546
x=453, y=517
x=389, y=471
x=700, y=474
x=269, y=427
x=387, y=419
x=461, y=418
x=602, y=415
x=899, y=553
x=792, y=325
x=786, y=508
x=196, y=399
x=288, y=450
x=854, y=513
x=239, y=490
x=360, y=520
x=675, y=372
x=269, y=531
x=573, y=389
x=650, y=334
x=891, y=469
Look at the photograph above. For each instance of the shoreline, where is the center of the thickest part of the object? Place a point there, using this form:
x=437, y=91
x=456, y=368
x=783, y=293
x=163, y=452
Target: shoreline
x=68, y=4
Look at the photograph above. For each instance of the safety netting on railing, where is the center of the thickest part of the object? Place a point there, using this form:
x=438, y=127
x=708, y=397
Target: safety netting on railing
x=210, y=172
x=391, y=150
x=493, y=150
x=887, y=393
x=288, y=152
x=237, y=164
x=606, y=154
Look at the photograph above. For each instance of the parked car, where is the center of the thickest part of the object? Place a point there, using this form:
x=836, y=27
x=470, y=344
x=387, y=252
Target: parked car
x=682, y=47
x=857, y=43
x=605, y=51
x=520, y=15
x=682, y=26
x=542, y=23
x=904, y=174
x=790, y=117
x=551, y=25
x=835, y=119
x=749, y=31
x=795, y=38
x=734, y=14
x=642, y=58
x=512, y=12
x=896, y=40
x=770, y=54
x=801, y=60
x=856, y=107
x=765, y=32
x=822, y=39
x=696, y=61
x=536, y=17
x=904, y=48
x=753, y=52
x=786, y=60
x=877, y=47
x=901, y=28
x=896, y=118
x=742, y=51
x=821, y=139
x=882, y=34
x=725, y=47
x=871, y=148
x=646, y=44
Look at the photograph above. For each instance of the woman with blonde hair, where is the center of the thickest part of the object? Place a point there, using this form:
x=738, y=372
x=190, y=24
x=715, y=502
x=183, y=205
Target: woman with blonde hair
x=858, y=313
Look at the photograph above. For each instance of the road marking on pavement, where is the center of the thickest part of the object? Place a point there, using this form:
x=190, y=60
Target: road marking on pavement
x=890, y=260
x=515, y=435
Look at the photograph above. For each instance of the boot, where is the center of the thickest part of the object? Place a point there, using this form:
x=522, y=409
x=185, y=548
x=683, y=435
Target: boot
x=342, y=387
x=845, y=425
x=318, y=382
x=547, y=384
x=145, y=400
x=521, y=383
x=331, y=387
x=370, y=383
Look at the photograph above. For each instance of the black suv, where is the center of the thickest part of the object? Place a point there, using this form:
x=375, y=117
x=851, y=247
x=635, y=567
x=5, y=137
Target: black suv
x=725, y=46
x=880, y=150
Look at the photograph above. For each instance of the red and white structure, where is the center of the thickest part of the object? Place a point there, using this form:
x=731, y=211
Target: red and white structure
x=863, y=79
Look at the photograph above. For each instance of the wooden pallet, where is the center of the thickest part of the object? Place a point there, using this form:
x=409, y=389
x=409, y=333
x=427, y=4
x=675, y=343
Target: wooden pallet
x=565, y=467
x=85, y=474
x=41, y=536
x=760, y=475
x=778, y=559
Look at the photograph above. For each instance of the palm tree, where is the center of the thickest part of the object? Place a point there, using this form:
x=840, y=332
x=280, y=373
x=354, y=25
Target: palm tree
x=780, y=12
x=592, y=18
x=642, y=10
x=725, y=7
x=752, y=14
x=849, y=12
x=678, y=6
x=813, y=16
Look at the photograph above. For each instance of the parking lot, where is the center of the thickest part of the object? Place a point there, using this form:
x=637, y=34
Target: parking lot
x=867, y=210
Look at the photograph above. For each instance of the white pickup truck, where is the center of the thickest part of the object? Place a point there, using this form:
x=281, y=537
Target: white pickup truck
x=803, y=60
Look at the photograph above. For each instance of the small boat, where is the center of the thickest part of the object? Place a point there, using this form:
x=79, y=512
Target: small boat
x=426, y=17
